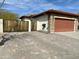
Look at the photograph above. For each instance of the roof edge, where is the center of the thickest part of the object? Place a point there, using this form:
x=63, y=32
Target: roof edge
x=51, y=11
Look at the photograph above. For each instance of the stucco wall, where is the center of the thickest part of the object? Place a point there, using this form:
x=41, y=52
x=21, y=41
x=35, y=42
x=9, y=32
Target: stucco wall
x=42, y=20
x=1, y=26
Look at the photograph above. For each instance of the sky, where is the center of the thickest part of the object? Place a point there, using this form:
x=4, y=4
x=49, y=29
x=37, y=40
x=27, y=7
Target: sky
x=28, y=7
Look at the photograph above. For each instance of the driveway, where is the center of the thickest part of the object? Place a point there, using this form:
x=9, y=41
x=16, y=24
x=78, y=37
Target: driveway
x=70, y=34
x=37, y=45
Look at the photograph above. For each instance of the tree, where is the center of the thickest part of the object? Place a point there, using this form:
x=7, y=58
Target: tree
x=6, y=15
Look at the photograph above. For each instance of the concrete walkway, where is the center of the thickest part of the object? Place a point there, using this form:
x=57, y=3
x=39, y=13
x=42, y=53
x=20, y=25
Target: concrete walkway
x=70, y=34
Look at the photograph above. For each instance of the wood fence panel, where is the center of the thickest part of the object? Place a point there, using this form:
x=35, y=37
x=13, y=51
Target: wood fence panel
x=13, y=26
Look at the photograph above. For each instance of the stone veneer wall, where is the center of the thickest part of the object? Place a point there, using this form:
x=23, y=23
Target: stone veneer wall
x=51, y=22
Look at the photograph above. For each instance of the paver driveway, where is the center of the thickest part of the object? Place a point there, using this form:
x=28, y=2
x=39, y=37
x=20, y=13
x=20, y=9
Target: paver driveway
x=37, y=45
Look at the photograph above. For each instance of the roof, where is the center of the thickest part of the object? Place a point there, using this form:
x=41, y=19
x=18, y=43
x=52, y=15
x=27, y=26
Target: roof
x=22, y=17
x=57, y=12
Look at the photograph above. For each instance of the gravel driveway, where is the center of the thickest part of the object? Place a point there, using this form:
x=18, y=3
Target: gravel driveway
x=37, y=45
x=70, y=34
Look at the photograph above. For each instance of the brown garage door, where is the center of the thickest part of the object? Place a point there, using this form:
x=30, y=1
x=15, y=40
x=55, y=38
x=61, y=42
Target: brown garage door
x=64, y=25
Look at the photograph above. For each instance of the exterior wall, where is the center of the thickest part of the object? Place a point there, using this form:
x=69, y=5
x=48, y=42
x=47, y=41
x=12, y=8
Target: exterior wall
x=42, y=20
x=1, y=25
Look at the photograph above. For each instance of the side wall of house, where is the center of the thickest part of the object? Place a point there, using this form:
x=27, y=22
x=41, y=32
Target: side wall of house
x=40, y=21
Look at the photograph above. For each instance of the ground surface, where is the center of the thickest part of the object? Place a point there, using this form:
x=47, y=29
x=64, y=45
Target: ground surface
x=70, y=34
x=37, y=45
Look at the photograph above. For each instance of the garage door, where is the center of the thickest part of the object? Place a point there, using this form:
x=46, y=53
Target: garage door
x=64, y=25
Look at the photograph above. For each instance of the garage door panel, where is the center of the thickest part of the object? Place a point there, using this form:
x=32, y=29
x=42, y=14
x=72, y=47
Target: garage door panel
x=63, y=25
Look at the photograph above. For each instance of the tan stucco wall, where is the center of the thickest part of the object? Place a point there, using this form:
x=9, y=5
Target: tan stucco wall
x=42, y=20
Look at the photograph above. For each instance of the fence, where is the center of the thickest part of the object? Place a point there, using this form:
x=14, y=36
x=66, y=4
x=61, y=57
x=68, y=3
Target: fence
x=15, y=26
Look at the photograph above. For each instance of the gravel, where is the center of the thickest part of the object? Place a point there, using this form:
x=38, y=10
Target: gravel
x=38, y=45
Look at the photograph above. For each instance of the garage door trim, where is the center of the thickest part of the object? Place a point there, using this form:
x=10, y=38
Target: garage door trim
x=64, y=28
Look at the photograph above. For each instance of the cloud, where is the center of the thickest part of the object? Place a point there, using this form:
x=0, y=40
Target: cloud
x=1, y=0
x=36, y=6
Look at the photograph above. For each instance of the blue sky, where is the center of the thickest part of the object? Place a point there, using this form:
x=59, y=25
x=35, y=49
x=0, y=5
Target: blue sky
x=27, y=7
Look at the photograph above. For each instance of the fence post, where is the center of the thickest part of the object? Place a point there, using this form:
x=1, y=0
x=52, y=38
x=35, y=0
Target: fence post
x=1, y=26
x=29, y=26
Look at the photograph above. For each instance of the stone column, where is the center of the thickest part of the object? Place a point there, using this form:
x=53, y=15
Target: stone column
x=51, y=22
x=29, y=29
x=75, y=25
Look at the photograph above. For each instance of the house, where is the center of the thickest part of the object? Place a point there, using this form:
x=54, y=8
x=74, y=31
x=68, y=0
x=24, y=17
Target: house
x=48, y=21
x=53, y=21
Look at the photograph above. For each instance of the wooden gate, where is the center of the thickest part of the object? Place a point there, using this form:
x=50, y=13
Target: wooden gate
x=15, y=26
x=34, y=25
